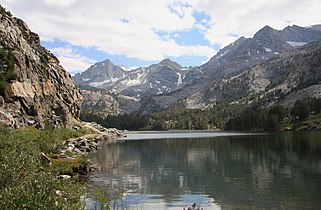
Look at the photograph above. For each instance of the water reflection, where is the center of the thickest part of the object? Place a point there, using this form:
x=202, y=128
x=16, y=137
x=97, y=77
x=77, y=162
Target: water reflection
x=279, y=171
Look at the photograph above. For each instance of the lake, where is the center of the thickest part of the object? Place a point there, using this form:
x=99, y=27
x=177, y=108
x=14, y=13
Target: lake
x=216, y=170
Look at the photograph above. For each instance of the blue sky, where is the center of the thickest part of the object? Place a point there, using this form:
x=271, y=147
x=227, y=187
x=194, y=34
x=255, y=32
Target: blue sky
x=143, y=32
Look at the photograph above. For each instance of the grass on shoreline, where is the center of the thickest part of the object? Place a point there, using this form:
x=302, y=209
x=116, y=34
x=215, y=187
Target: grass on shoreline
x=27, y=183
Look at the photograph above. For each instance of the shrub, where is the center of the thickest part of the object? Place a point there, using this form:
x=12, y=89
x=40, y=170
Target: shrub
x=25, y=183
x=6, y=69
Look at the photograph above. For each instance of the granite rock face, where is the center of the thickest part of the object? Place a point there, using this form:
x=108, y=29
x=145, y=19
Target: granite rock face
x=103, y=104
x=38, y=89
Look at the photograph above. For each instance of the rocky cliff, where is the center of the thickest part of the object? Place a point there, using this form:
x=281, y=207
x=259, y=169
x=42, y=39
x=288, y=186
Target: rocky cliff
x=34, y=88
x=103, y=104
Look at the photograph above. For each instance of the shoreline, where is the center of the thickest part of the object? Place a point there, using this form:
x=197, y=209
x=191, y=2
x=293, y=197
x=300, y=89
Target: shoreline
x=77, y=149
x=83, y=145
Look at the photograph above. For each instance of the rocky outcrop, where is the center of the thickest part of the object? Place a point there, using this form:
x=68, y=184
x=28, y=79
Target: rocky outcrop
x=100, y=103
x=103, y=104
x=34, y=87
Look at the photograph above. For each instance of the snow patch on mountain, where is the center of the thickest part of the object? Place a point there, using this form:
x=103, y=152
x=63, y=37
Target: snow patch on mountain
x=179, y=80
x=125, y=68
x=222, y=54
x=267, y=49
x=86, y=79
x=296, y=44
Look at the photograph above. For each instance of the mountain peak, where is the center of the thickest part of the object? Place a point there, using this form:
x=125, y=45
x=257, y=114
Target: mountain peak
x=293, y=27
x=166, y=61
x=169, y=62
x=267, y=28
x=107, y=61
x=301, y=35
x=264, y=31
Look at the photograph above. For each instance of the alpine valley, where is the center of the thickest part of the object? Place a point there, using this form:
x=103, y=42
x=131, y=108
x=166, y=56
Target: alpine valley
x=273, y=67
x=51, y=122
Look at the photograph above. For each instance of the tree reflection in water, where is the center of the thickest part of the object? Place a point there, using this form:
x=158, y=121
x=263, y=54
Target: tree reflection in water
x=281, y=170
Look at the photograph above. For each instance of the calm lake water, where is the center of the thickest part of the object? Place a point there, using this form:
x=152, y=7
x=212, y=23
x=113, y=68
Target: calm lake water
x=172, y=170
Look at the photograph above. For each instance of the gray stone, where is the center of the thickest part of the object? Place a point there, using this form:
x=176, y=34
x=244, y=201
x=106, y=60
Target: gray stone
x=71, y=145
x=83, y=143
x=76, y=150
x=93, y=143
x=1, y=101
x=86, y=148
x=93, y=147
x=64, y=177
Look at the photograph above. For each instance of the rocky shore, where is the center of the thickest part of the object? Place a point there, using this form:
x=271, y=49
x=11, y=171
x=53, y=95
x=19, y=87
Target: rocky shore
x=90, y=142
x=78, y=148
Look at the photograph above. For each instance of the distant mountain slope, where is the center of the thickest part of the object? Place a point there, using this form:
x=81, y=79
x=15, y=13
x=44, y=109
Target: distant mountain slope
x=156, y=79
x=101, y=73
x=34, y=88
x=103, y=104
x=286, y=78
x=238, y=56
x=167, y=83
x=246, y=52
x=265, y=44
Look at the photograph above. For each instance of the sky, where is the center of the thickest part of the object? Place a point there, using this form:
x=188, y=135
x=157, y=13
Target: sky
x=143, y=32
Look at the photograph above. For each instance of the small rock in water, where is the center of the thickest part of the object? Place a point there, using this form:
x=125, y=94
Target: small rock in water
x=193, y=207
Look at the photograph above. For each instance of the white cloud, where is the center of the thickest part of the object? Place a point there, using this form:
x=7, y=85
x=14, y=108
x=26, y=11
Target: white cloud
x=129, y=28
x=101, y=24
x=245, y=17
x=71, y=60
x=60, y=3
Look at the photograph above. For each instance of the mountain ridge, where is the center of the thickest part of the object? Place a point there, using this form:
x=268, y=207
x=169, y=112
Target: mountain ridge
x=233, y=60
x=284, y=79
x=113, y=78
x=165, y=84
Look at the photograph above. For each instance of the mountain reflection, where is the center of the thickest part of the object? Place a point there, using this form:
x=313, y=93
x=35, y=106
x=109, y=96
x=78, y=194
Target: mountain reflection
x=271, y=171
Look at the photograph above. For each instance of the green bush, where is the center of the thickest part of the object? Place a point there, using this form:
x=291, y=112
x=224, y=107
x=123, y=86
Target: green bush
x=6, y=69
x=25, y=183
